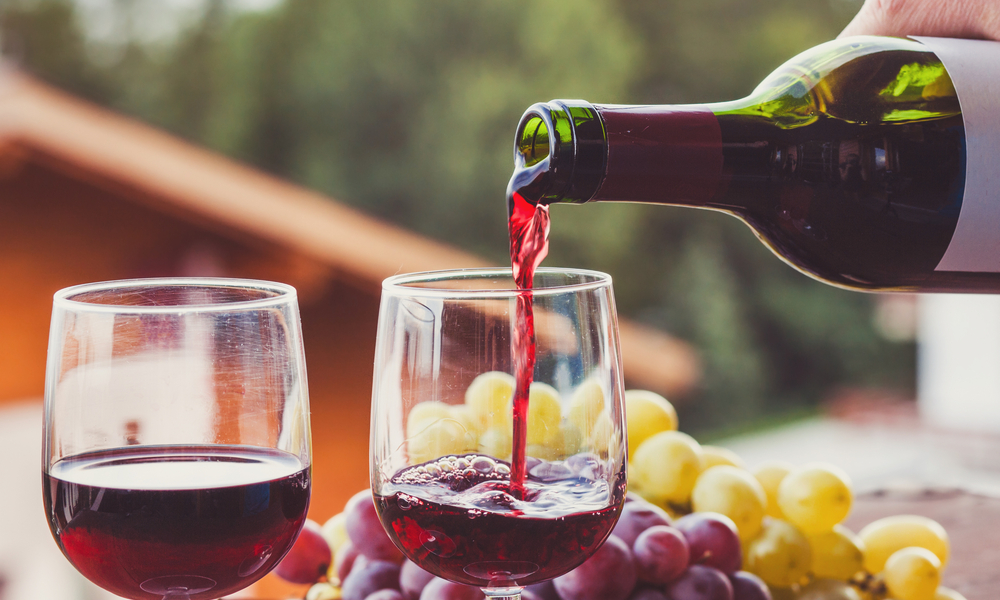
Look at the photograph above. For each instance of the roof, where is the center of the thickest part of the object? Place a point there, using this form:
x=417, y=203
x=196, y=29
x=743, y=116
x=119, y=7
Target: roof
x=40, y=123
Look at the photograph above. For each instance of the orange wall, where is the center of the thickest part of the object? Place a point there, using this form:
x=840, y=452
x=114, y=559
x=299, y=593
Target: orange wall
x=56, y=231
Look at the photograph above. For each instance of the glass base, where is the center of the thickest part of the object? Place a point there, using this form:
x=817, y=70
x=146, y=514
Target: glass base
x=504, y=593
x=177, y=587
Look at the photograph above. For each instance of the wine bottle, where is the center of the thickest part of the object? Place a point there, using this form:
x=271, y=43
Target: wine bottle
x=869, y=163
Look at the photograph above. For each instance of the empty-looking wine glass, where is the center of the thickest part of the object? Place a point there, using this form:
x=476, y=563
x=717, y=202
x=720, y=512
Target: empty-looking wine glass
x=176, y=460
x=444, y=452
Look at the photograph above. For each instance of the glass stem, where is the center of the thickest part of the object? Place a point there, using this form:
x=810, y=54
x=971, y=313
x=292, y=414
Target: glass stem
x=507, y=593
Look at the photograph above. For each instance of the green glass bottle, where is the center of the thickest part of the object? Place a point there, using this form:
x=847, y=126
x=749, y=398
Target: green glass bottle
x=854, y=161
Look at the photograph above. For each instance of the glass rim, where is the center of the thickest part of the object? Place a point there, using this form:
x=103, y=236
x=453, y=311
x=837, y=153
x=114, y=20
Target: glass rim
x=283, y=293
x=404, y=284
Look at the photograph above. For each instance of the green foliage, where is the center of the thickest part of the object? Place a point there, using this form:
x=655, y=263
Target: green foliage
x=407, y=110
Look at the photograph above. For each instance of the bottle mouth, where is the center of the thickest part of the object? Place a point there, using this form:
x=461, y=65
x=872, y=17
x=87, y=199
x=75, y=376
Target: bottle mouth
x=532, y=140
x=560, y=153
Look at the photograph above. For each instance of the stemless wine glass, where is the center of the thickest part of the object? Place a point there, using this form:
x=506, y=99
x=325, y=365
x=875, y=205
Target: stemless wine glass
x=176, y=460
x=441, y=438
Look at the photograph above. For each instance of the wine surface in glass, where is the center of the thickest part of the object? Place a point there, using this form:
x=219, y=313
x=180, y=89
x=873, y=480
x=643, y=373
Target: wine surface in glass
x=209, y=520
x=456, y=517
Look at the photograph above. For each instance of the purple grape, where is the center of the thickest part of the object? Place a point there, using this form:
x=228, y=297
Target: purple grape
x=701, y=583
x=545, y=590
x=637, y=517
x=365, y=531
x=309, y=557
x=529, y=595
x=385, y=595
x=713, y=540
x=607, y=575
x=747, y=586
x=648, y=594
x=368, y=577
x=634, y=497
x=661, y=555
x=442, y=589
x=412, y=580
x=344, y=561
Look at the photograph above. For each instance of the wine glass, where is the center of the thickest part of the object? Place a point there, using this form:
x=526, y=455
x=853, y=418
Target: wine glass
x=177, y=451
x=443, y=450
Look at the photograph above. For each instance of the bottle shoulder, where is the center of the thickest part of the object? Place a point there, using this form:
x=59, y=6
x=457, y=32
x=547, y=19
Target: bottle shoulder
x=866, y=80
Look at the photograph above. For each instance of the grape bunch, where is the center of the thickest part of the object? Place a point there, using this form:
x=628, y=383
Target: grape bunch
x=649, y=556
x=351, y=558
x=697, y=523
x=558, y=427
x=788, y=518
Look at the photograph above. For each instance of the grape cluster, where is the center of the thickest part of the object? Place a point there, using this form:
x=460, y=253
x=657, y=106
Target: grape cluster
x=652, y=557
x=365, y=564
x=557, y=427
x=697, y=524
x=788, y=519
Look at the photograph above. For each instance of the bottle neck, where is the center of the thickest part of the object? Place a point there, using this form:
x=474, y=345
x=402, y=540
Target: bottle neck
x=574, y=152
x=662, y=154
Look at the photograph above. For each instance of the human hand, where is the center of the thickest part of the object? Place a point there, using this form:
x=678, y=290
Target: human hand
x=978, y=19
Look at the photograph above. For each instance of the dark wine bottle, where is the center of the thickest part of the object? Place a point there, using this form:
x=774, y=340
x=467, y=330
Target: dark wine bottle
x=856, y=162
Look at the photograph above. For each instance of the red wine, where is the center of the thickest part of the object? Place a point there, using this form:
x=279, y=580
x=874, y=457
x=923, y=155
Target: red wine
x=457, y=518
x=142, y=521
x=855, y=162
x=529, y=243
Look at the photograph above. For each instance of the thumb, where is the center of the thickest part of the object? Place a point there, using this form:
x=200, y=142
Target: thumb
x=954, y=18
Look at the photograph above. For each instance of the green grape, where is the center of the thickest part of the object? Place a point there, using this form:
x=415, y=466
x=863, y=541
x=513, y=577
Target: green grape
x=496, y=442
x=544, y=414
x=837, y=554
x=733, y=492
x=883, y=537
x=586, y=404
x=770, y=474
x=440, y=438
x=716, y=455
x=780, y=555
x=488, y=397
x=912, y=574
x=815, y=497
x=543, y=451
x=423, y=414
x=828, y=589
x=565, y=442
x=783, y=593
x=323, y=591
x=571, y=438
x=334, y=531
x=605, y=437
x=666, y=467
x=647, y=414
x=944, y=593
x=463, y=414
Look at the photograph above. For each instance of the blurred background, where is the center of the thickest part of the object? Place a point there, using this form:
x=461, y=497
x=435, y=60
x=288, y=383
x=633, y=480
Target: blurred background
x=405, y=111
